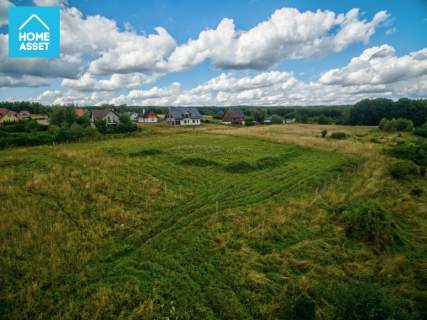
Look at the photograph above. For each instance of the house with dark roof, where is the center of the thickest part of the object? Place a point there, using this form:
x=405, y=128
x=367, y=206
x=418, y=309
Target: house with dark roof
x=110, y=117
x=183, y=116
x=233, y=116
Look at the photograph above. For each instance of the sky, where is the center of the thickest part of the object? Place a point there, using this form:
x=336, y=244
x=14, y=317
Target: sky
x=224, y=53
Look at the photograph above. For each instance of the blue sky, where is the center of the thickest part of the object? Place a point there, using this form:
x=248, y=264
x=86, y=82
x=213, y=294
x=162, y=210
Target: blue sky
x=403, y=30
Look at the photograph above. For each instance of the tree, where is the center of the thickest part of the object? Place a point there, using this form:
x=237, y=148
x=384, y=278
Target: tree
x=275, y=119
x=259, y=114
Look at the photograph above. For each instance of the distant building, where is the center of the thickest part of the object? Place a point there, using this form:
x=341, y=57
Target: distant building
x=183, y=116
x=133, y=116
x=268, y=120
x=80, y=112
x=8, y=116
x=24, y=115
x=148, y=117
x=233, y=116
x=110, y=117
x=288, y=121
x=40, y=118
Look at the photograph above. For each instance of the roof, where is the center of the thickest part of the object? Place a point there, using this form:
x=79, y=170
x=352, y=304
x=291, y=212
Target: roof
x=179, y=113
x=149, y=114
x=101, y=114
x=79, y=112
x=3, y=111
x=231, y=114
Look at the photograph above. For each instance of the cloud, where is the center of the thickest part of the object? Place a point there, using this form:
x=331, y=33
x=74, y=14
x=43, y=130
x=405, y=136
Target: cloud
x=88, y=83
x=67, y=66
x=135, y=53
x=378, y=65
x=50, y=3
x=391, y=31
x=4, y=5
x=377, y=72
x=88, y=55
x=287, y=34
x=22, y=81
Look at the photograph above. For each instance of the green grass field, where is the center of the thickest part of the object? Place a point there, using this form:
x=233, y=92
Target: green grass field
x=185, y=224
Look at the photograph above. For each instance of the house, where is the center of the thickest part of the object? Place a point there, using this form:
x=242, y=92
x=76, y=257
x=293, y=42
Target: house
x=133, y=116
x=8, y=116
x=110, y=117
x=148, y=117
x=40, y=118
x=79, y=112
x=233, y=116
x=183, y=116
x=288, y=121
x=24, y=115
x=268, y=120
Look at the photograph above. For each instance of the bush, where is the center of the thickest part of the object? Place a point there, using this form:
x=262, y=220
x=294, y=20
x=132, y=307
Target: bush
x=396, y=125
x=275, y=119
x=404, y=169
x=357, y=300
x=368, y=221
x=296, y=305
x=421, y=132
x=239, y=167
x=415, y=151
x=198, y=162
x=146, y=152
x=338, y=135
x=324, y=133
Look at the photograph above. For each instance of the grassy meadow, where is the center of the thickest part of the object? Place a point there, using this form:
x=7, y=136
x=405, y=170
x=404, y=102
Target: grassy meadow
x=210, y=223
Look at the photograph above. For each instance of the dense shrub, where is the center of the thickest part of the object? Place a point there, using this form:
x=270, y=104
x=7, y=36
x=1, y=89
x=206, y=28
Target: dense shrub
x=25, y=139
x=198, y=162
x=370, y=222
x=357, y=300
x=275, y=119
x=324, y=133
x=239, y=167
x=415, y=151
x=75, y=132
x=338, y=135
x=296, y=305
x=403, y=169
x=396, y=125
x=422, y=132
x=324, y=120
x=146, y=152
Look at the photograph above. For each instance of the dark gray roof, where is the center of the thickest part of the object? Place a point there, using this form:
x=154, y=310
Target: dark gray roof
x=100, y=114
x=233, y=114
x=179, y=113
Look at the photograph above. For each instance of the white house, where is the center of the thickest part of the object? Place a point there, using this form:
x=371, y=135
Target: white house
x=183, y=116
x=110, y=117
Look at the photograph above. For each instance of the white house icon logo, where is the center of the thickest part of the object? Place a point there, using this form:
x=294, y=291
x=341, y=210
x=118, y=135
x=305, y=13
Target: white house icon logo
x=34, y=16
x=38, y=41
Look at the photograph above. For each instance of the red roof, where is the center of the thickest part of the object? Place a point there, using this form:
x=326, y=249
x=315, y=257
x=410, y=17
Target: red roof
x=150, y=114
x=79, y=112
x=3, y=111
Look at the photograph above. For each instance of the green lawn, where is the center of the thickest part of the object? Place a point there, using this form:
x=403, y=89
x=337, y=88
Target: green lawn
x=185, y=226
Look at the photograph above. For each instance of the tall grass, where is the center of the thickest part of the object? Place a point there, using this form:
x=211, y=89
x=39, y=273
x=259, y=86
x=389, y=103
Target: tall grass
x=110, y=230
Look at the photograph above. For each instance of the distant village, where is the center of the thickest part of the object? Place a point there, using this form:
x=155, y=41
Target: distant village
x=177, y=116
